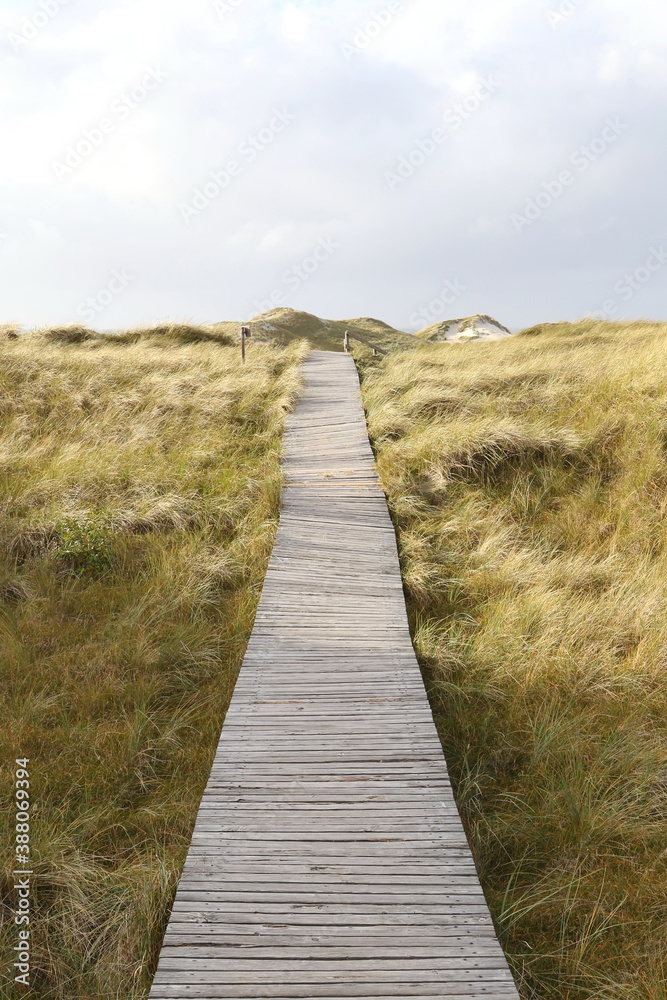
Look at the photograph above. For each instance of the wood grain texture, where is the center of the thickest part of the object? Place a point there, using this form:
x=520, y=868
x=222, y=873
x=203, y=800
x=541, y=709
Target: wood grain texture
x=328, y=857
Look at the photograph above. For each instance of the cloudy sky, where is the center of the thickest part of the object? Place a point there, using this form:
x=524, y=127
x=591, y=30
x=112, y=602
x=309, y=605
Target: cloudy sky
x=413, y=160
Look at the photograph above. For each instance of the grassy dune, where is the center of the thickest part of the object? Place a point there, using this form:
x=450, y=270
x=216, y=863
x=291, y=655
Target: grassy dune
x=283, y=326
x=528, y=481
x=139, y=492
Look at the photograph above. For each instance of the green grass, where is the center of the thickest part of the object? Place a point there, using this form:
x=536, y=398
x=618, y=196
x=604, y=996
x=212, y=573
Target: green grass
x=528, y=483
x=139, y=495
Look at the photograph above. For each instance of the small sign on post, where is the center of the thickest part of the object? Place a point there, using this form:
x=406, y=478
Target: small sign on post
x=245, y=334
x=346, y=342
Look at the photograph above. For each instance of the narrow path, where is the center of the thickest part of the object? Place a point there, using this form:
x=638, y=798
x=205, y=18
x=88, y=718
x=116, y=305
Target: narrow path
x=328, y=858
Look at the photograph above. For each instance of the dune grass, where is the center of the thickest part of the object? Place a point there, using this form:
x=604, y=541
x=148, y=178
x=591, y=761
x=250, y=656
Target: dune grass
x=139, y=494
x=528, y=483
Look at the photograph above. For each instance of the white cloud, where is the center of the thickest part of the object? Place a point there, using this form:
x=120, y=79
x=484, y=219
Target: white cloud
x=296, y=23
x=356, y=116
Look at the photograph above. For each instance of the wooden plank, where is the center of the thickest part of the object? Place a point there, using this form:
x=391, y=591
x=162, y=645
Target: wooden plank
x=323, y=949
x=328, y=857
x=337, y=991
x=402, y=970
x=344, y=918
x=372, y=979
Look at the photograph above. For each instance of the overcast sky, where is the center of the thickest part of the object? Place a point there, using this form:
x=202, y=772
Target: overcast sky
x=414, y=160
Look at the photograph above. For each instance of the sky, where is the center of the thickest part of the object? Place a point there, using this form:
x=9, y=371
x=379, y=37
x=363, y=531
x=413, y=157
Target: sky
x=411, y=160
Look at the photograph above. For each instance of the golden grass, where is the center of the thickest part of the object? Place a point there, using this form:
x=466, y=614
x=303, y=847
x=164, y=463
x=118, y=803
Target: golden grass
x=528, y=482
x=139, y=494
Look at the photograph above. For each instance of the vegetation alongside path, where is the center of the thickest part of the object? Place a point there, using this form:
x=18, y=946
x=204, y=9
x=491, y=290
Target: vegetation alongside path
x=139, y=493
x=528, y=482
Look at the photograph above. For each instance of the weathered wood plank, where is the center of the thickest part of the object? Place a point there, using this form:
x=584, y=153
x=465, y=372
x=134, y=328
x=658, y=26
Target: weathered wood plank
x=328, y=858
x=337, y=991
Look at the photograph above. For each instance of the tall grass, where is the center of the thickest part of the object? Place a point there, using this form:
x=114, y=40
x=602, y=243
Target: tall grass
x=528, y=482
x=139, y=493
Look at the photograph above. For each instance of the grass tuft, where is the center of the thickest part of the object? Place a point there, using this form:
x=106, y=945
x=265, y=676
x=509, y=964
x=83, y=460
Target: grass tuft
x=67, y=335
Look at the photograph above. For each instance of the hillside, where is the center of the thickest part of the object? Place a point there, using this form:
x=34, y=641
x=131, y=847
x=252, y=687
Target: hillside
x=282, y=326
x=463, y=330
x=528, y=483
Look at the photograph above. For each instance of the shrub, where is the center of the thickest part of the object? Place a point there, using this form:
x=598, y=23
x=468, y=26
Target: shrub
x=85, y=546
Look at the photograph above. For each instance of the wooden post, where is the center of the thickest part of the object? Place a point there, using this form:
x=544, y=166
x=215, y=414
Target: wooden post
x=346, y=342
x=245, y=333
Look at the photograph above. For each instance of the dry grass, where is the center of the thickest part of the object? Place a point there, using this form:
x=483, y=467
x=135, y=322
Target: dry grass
x=528, y=481
x=139, y=493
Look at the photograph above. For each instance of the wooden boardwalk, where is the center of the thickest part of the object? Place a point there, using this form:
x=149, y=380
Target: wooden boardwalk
x=328, y=858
